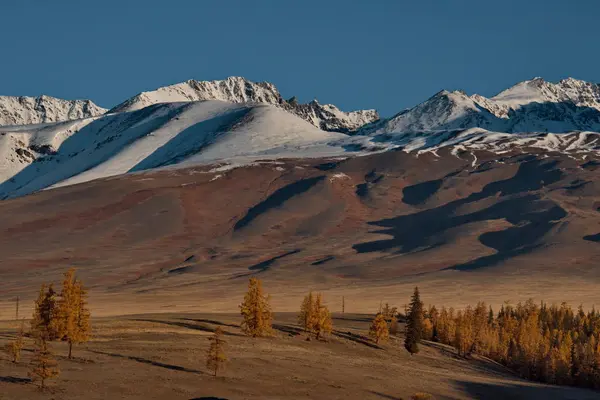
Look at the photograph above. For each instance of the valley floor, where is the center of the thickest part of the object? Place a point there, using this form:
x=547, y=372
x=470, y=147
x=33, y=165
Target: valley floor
x=162, y=356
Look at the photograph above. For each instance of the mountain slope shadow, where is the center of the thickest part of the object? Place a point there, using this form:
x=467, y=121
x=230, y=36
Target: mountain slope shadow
x=191, y=140
x=276, y=199
x=265, y=265
x=420, y=192
x=532, y=218
x=93, y=144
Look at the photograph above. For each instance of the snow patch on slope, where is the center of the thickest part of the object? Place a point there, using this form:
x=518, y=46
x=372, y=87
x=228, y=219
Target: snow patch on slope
x=162, y=135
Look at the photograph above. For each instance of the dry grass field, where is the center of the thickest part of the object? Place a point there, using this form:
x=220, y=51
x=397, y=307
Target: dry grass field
x=162, y=356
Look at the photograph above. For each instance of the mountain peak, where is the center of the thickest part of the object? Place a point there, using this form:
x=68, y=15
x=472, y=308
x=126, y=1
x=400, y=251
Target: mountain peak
x=533, y=105
x=569, y=90
x=237, y=89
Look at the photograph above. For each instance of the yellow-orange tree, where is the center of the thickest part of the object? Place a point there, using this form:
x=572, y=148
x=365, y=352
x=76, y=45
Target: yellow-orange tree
x=256, y=311
x=321, y=318
x=15, y=346
x=72, y=323
x=43, y=365
x=216, y=352
x=379, y=330
x=306, y=317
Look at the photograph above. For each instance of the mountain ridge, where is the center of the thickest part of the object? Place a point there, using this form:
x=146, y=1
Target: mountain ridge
x=529, y=106
x=25, y=110
x=180, y=127
x=236, y=89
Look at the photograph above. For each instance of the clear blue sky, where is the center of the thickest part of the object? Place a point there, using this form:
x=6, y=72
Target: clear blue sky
x=384, y=54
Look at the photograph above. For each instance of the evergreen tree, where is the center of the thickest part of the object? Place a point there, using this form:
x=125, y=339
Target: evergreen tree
x=256, y=311
x=43, y=323
x=379, y=330
x=43, y=365
x=414, y=323
x=216, y=353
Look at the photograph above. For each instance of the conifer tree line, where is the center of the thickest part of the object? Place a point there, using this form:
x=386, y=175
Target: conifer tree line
x=551, y=344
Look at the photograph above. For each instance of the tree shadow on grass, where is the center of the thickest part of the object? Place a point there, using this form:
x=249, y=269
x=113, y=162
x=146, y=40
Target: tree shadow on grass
x=447, y=350
x=353, y=319
x=385, y=396
x=354, y=337
x=14, y=379
x=150, y=362
x=473, y=362
x=209, y=398
x=187, y=325
x=210, y=321
x=291, y=330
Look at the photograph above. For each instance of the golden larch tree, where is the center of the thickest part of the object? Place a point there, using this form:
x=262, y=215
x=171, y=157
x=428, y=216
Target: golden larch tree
x=43, y=365
x=379, y=330
x=15, y=346
x=389, y=312
x=72, y=322
x=306, y=316
x=216, y=358
x=82, y=327
x=66, y=309
x=321, y=319
x=394, y=326
x=256, y=311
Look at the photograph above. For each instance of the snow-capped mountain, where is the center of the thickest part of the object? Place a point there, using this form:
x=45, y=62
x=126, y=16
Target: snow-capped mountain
x=537, y=90
x=235, y=121
x=530, y=106
x=240, y=90
x=444, y=111
x=35, y=157
x=35, y=110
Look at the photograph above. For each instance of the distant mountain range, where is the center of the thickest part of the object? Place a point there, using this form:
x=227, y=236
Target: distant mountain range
x=46, y=142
